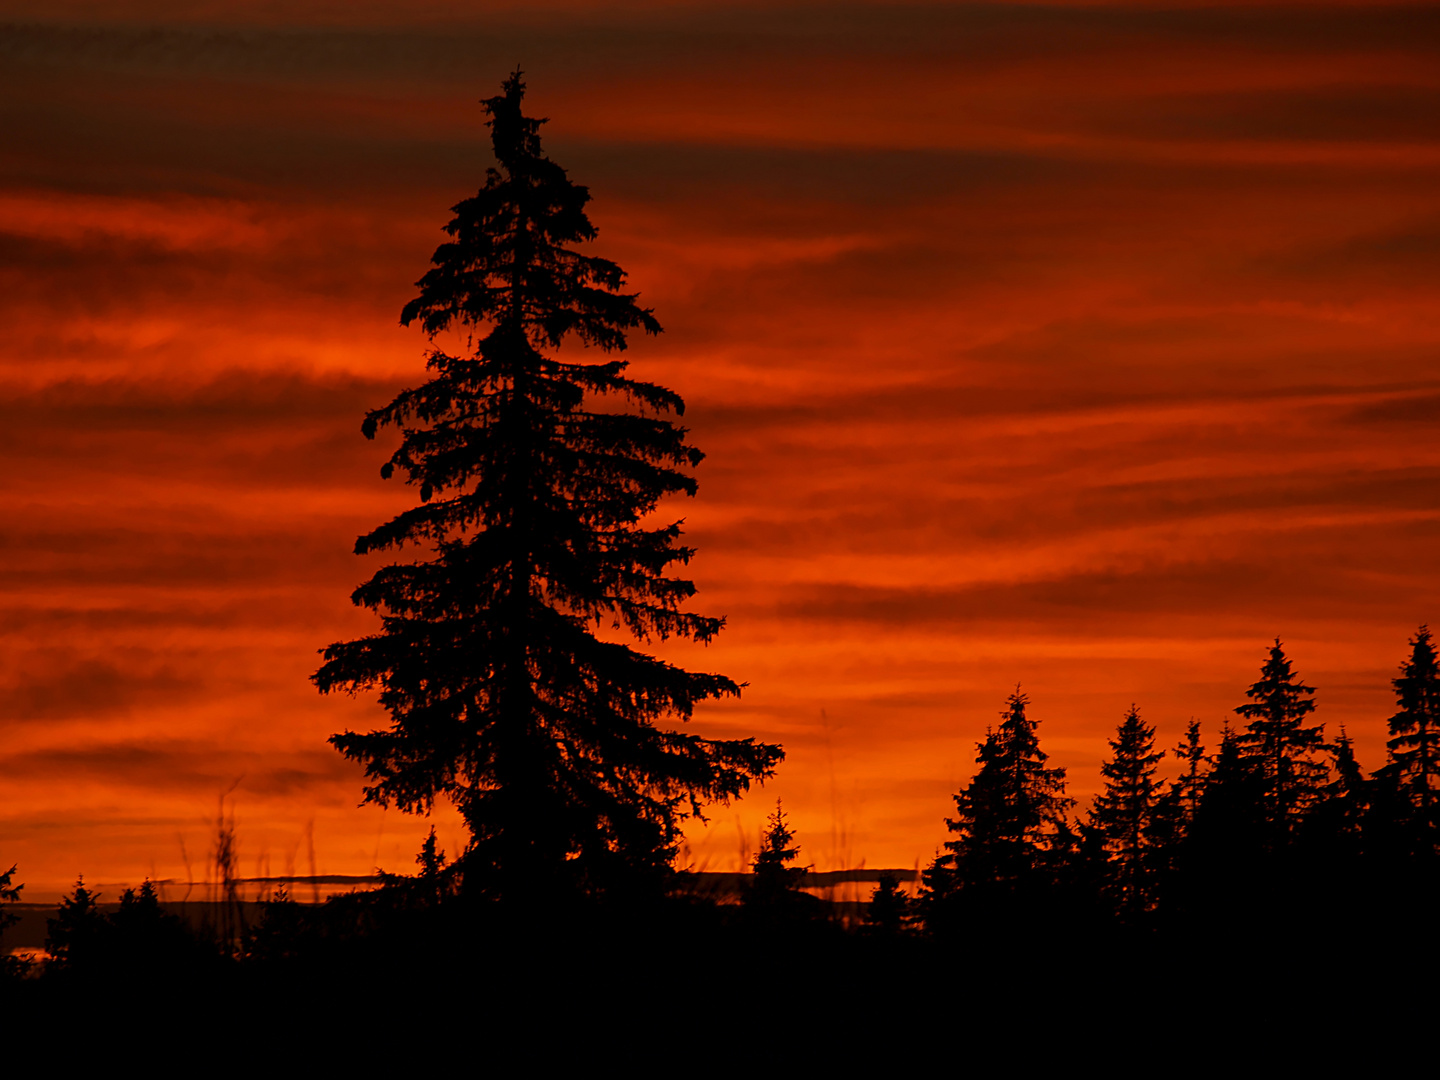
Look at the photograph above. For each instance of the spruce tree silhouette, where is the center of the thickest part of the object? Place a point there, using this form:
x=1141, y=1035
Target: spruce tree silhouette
x=1189, y=786
x=1007, y=819
x=1282, y=746
x=1334, y=829
x=1174, y=812
x=534, y=478
x=431, y=878
x=1412, y=770
x=75, y=936
x=888, y=913
x=142, y=938
x=1124, y=813
x=774, y=877
x=9, y=894
x=773, y=899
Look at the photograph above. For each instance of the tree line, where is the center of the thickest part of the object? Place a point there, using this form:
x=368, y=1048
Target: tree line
x=1273, y=824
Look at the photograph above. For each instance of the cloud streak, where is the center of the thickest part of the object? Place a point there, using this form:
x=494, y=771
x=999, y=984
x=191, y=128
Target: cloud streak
x=1083, y=346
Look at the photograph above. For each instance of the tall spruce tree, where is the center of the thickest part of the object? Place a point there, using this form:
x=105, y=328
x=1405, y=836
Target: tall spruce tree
x=1189, y=786
x=1125, y=815
x=534, y=478
x=1282, y=746
x=1007, y=816
x=1413, y=768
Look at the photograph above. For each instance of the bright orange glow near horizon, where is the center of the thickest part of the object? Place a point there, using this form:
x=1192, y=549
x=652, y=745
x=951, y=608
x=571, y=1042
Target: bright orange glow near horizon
x=1084, y=348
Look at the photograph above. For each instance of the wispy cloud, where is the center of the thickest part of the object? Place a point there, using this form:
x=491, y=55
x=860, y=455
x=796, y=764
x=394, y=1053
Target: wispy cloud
x=1085, y=346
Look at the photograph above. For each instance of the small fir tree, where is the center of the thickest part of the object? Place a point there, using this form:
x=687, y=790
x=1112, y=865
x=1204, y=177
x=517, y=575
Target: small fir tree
x=536, y=480
x=1282, y=746
x=140, y=909
x=1177, y=806
x=1008, y=815
x=76, y=934
x=143, y=938
x=888, y=913
x=1234, y=784
x=774, y=902
x=1335, y=827
x=1413, y=768
x=1223, y=852
x=1124, y=813
x=9, y=894
x=1190, y=785
x=431, y=859
x=1349, y=782
x=282, y=932
x=433, y=882
x=773, y=876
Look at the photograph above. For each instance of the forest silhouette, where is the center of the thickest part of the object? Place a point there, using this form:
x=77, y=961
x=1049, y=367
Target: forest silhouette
x=537, y=480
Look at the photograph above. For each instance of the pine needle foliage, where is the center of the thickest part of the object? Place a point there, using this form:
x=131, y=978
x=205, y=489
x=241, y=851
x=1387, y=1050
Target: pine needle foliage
x=1189, y=786
x=888, y=913
x=1008, y=813
x=1336, y=824
x=1124, y=813
x=773, y=874
x=75, y=933
x=1281, y=745
x=9, y=894
x=1413, y=767
x=536, y=478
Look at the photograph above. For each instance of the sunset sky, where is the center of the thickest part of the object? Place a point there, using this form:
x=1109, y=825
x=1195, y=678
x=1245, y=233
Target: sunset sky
x=1088, y=348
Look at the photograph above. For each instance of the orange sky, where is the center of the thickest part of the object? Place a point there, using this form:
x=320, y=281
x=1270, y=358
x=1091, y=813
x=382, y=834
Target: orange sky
x=1084, y=347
